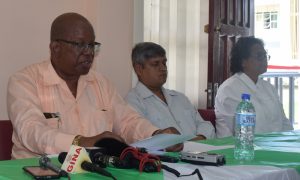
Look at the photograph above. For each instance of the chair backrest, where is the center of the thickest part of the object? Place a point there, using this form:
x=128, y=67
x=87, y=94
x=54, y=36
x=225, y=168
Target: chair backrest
x=6, y=144
x=208, y=115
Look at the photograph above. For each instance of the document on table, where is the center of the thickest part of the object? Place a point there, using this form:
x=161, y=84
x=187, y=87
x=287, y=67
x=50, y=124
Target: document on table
x=200, y=147
x=162, y=141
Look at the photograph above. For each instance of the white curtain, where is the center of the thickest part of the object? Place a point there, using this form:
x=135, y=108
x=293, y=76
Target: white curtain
x=175, y=25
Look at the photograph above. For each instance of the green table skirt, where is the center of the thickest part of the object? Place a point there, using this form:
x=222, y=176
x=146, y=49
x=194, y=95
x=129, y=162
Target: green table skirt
x=12, y=170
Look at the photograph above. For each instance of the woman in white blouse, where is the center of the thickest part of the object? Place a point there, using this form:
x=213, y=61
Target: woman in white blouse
x=248, y=60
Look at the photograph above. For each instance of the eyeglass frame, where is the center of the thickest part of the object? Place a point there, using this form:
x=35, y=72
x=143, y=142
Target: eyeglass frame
x=95, y=46
x=262, y=56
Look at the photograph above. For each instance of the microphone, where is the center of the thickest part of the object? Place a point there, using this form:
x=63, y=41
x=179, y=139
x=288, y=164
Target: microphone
x=77, y=160
x=111, y=161
x=45, y=162
x=85, y=165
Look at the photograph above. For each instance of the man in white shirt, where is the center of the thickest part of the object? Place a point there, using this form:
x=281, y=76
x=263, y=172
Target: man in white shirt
x=163, y=107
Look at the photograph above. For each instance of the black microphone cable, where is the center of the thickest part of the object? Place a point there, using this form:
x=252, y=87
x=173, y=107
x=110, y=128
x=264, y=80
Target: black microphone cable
x=96, y=168
x=176, y=173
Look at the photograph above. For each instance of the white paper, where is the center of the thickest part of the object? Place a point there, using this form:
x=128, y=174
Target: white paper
x=199, y=147
x=162, y=141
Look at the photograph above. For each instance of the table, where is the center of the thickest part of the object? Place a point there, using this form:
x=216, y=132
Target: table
x=277, y=157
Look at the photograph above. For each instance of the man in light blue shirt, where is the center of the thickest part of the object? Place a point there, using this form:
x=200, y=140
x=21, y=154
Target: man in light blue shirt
x=163, y=107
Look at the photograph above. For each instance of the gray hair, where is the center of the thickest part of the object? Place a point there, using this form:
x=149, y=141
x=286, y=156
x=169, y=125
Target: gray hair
x=146, y=50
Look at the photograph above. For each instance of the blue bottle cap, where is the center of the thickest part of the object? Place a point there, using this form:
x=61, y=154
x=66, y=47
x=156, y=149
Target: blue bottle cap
x=246, y=96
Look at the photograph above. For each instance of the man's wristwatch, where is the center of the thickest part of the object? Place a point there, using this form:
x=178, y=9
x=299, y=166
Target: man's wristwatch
x=76, y=140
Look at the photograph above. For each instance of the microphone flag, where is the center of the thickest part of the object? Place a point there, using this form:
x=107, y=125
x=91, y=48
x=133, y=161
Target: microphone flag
x=76, y=155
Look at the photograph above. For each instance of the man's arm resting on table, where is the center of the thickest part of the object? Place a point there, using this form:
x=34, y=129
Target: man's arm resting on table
x=170, y=130
x=198, y=137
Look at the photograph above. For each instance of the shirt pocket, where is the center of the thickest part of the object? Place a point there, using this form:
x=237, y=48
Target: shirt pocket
x=159, y=119
x=155, y=120
x=189, y=114
x=100, y=120
x=53, y=122
x=189, y=125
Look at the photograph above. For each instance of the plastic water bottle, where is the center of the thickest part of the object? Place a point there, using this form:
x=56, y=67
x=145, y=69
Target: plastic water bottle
x=245, y=118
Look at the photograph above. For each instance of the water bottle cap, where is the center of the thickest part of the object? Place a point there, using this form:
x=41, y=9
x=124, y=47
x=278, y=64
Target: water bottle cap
x=246, y=96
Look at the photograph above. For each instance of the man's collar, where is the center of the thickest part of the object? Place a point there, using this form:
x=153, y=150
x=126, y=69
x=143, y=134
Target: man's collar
x=143, y=90
x=51, y=77
x=146, y=92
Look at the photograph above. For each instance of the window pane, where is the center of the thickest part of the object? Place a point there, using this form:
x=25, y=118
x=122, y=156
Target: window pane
x=274, y=17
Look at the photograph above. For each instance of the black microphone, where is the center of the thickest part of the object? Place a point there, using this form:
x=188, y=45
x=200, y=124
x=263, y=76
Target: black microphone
x=112, y=161
x=45, y=162
x=87, y=166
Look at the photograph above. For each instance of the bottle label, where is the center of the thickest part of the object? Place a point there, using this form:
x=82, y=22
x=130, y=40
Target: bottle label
x=245, y=119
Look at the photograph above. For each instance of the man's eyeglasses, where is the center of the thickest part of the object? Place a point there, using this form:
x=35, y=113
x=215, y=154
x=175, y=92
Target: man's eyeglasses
x=95, y=46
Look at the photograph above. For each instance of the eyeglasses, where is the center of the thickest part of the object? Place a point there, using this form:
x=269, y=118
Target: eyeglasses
x=262, y=56
x=95, y=46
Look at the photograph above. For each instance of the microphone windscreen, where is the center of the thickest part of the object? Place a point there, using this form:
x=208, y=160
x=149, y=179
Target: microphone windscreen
x=62, y=157
x=112, y=146
x=95, y=150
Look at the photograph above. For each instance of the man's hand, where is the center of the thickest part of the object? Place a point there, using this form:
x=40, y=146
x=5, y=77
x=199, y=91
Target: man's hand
x=170, y=130
x=198, y=137
x=90, y=141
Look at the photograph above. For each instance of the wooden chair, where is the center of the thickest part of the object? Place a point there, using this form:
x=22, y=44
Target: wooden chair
x=208, y=115
x=6, y=144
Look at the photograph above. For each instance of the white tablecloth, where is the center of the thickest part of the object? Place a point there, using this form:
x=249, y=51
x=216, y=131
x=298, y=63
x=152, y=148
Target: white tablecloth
x=241, y=172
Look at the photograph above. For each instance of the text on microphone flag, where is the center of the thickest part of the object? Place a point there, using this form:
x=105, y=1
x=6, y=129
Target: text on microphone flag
x=76, y=155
